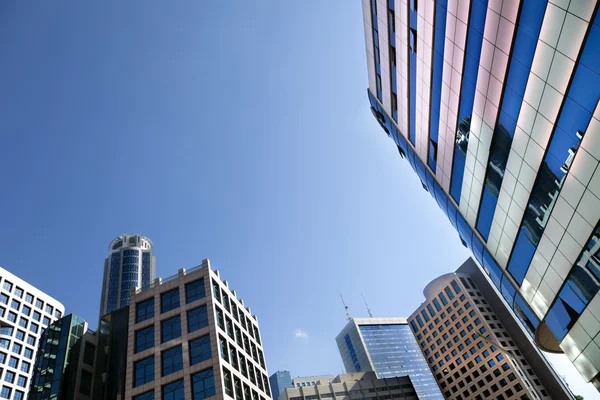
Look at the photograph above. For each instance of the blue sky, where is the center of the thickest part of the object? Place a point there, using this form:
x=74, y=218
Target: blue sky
x=239, y=133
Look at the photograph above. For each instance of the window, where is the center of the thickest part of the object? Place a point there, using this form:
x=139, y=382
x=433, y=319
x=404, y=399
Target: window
x=12, y=317
x=226, y=301
x=33, y=327
x=5, y=392
x=173, y=391
x=46, y=321
x=39, y=304
x=37, y=315
x=13, y=362
x=220, y=319
x=203, y=385
x=88, y=353
x=26, y=310
x=15, y=305
x=144, y=339
x=9, y=376
x=144, y=310
x=229, y=326
x=23, y=322
x=57, y=314
x=29, y=298
x=31, y=340
x=413, y=40
x=25, y=366
x=199, y=349
x=233, y=357
x=144, y=371
x=145, y=396
x=85, y=386
x=197, y=319
x=237, y=384
x=194, y=291
x=18, y=292
x=169, y=300
x=223, y=348
x=3, y=298
x=172, y=360
x=171, y=329
x=7, y=286
x=216, y=291
x=19, y=395
x=17, y=348
x=228, y=382
x=49, y=309
x=238, y=337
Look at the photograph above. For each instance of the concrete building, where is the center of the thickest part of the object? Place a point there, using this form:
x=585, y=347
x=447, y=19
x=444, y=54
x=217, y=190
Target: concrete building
x=279, y=381
x=354, y=386
x=495, y=106
x=468, y=349
x=64, y=366
x=129, y=265
x=190, y=336
x=310, y=380
x=387, y=347
x=25, y=312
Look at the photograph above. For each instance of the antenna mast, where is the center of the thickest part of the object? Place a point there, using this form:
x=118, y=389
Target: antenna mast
x=366, y=305
x=345, y=307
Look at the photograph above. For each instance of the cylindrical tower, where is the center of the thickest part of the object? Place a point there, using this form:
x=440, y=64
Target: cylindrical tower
x=130, y=264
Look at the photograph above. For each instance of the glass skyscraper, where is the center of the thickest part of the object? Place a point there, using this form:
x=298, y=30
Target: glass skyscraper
x=388, y=347
x=280, y=381
x=495, y=107
x=130, y=264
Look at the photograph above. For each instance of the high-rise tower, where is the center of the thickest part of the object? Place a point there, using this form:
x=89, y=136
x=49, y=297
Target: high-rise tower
x=495, y=106
x=130, y=264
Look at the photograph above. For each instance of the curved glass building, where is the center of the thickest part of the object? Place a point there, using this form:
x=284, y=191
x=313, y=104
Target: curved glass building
x=495, y=107
x=130, y=264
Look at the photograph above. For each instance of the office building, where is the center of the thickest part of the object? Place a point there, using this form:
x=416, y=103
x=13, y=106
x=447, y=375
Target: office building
x=190, y=336
x=129, y=265
x=355, y=386
x=310, y=380
x=24, y=314
x=279, y=381
x=471, y=354
x=64, y=365
x=495, y=106
x=387, y=347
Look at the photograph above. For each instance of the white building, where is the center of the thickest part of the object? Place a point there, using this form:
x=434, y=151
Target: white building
x=25, y=312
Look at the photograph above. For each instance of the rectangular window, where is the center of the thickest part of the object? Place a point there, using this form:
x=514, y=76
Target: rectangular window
x=170, y=329
x=39, y=304
x=37, y=316
x=49, y=309
x=226, y=301
x=15, y=305
x=229, y=326
x=7, y=286
x=203, y=384
x=233, y=357
x=455, y=286
x=5, y=392
x=172, y=360
x=216, y=291
x=145, y=396
x=220, y=319
x=144, y=339
x=144, y=310
x=88, y=353
x=173, y=391
x=169, y=300
x=29, y=298
x=238, y=337
x=197, y=319
x=243, y=369
x=194, y=291
x=223, y=349
x=85, y=387
x=228, y=382
x=144, y=371
x=413, y=40
x=449, y=292
x=238, y=388
x=199, y=349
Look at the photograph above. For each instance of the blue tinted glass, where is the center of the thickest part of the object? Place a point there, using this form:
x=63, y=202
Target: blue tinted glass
x=194, y=291
x=144, y=310
x=169, y=300
x=172, y=361
x=144, y=371
x=395, y=352
x=144, y=339
x=170, y=329
x=197, y=319
x=532, y=15
x=200, y=349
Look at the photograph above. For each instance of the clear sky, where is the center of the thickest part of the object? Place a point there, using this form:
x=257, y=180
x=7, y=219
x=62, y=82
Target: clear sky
x=239, y=133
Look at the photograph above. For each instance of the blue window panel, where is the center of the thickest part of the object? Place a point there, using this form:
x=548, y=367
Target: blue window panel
x=532, y=15
x=413, y=98
x=492, y=268
x=477, y=249
x=525, y=315
x=458, y=170
x=486, y=212
x=508, y=291
x=524, y=49
x=574, y=117
x=452, y=214
x=522, y=255
x=591, y=55
x=511, y=106
x=478, y=14
x=464, y=230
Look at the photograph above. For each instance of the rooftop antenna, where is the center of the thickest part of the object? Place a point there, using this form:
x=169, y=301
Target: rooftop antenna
x=345, y=307
x=366, y=305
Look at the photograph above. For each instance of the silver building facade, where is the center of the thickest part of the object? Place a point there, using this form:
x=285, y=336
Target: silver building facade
x=129, y=265
x=495, y=106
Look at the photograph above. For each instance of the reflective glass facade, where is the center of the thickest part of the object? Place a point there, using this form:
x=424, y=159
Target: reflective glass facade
x=129, y=265
x=280, y=381
x=511, y=147
x=394, y=351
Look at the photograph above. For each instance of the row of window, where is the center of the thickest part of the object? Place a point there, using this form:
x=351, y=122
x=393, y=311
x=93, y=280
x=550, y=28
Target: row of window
x=19, y=335
x=13, y=362
x=203, y=386
x=13, y=378
x=15, y=305
x=235, y=333
x=6, y=392
x=29, y=298
x=17, y=348
x=230, y=306
x=170, y=329
x=235, y=388
x=246, y=367
x=172, y=360
x=170, y=300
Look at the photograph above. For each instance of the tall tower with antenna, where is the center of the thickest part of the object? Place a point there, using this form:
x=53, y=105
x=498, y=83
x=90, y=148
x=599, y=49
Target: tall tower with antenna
x=366, y=305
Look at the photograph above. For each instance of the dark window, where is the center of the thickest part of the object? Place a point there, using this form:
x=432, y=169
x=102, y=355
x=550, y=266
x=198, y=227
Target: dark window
x=228, y=382
x=223, y=348
x=173, y=391
x=145, y=396
x=170, y=329
x=85, y=385
x=194, y=291
x=413, y=40
x=197, y=319
x=220, y=319
x=203, y=384
x=144, y=310
x=144, y=371
x=144, y=339
x=216, y=291
x=88, y=353
x=172, y=360
x=169, y=300
x=238, y=388
x=200, y=349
